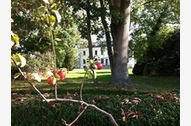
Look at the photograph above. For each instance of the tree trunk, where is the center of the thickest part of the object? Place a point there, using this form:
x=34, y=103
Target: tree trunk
x=89, y=37
x=120, y=33
x=89, y=30
x=107, y=36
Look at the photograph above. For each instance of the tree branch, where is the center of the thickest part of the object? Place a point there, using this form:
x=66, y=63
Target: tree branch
x=53, y=49
x=88, y=105
x=75, y=118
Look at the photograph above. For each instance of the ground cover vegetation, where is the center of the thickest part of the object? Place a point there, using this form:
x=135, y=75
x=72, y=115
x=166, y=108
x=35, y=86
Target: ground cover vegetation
x=150, y=100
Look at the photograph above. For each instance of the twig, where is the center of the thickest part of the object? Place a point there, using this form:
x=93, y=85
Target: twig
x=75, y=118
x=87, y=105
x=53, y=49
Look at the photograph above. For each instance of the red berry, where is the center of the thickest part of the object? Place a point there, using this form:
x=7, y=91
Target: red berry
x=51, y=80
x=99, y=65
x=61, y=74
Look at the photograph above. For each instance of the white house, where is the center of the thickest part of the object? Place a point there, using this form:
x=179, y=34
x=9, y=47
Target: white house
x=101, y=54
x=97, y=51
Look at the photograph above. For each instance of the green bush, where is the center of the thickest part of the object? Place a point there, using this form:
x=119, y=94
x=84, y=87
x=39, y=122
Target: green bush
x=39, y=62
x=138, y=68
x=163, y=60
x=71, y=59
x=36, y=62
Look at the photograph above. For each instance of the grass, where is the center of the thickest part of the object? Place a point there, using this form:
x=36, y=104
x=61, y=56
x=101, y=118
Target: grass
x=74, y=79
x=154, y=95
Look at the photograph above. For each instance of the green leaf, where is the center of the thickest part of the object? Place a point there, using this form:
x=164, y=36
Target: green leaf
x=46, y=19
x=90, y=74
x=91, y=61
x=19, y=59
x=50, y=1
x=53, y=5
x=15, y=39
x=58, y=39
x=16, y=75
x=52, y=19
x=41, y=10
x=56, y=76
x=94, y=66
x=86, y=68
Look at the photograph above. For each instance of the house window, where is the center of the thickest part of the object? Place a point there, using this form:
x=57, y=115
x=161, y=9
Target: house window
x=106, y=62
x=84, y=61
x=84, y=53
x=102, y=60
x=101, y=52
x=95, y=52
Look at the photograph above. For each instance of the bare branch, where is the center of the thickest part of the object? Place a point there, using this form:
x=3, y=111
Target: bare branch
x=88, y=105
x=75, y=118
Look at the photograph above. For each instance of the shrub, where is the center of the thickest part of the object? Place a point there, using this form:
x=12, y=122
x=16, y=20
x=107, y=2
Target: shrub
x=163, y=60
x=138, y=68
x=36, y=63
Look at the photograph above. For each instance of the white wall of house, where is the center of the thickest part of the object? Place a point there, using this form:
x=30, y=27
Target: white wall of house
x=131, y=62
x=102, y=54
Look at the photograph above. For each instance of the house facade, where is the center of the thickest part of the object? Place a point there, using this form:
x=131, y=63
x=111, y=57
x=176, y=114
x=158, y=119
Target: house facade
x=102, y=57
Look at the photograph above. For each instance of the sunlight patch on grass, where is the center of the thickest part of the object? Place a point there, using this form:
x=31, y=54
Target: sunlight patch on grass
x=79, y=73
x=76, y=73
x=130, y=71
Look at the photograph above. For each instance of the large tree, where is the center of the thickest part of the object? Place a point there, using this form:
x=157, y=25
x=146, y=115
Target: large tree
x=116, y=30
x=151, y=22
x=120, y=22
x=148, y=19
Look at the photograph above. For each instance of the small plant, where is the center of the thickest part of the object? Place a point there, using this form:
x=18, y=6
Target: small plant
x=91, y=66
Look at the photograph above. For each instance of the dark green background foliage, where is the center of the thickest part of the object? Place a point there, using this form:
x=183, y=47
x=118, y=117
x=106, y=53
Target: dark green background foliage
x=161, y=60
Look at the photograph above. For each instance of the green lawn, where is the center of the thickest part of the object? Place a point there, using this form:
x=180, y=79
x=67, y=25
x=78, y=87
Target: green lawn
x=153, y=100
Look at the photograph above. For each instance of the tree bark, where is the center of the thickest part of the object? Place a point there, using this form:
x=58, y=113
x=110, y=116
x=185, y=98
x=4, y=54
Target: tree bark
x=89, y=30
x=120, y=33
x=107, y=36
